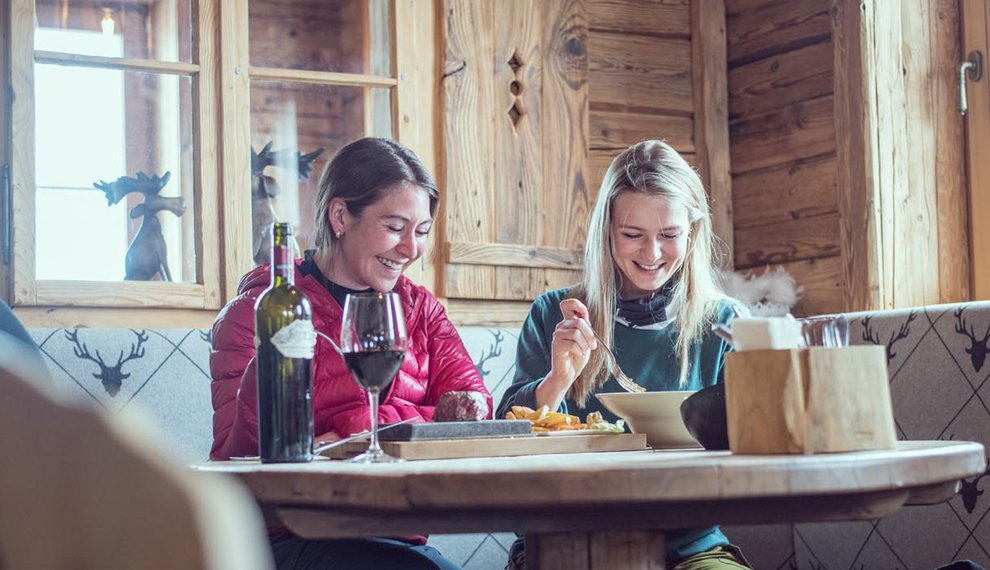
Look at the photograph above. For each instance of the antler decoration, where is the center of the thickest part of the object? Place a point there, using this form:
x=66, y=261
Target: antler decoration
x=264, y=188
x=873, y=337
x=147, y=254
x=111, y=376
x=978, y=348
x=494, y=350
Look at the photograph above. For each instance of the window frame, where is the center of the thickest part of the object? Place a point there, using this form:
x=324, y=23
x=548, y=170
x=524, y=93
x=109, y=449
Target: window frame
x=221, y=78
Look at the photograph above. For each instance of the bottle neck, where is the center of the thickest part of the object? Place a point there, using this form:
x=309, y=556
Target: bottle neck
x=283, y=270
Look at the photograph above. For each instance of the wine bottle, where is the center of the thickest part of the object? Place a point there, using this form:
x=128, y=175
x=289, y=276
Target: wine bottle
x=285, y=339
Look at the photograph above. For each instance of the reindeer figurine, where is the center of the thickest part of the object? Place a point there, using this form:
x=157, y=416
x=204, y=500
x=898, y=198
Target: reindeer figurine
x=147, y=254
x=264, y=188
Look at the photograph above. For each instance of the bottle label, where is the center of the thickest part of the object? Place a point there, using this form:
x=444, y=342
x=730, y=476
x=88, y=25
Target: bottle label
x=296, y=340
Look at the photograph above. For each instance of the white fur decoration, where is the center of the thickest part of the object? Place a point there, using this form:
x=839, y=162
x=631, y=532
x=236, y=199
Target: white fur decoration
x=770, y=294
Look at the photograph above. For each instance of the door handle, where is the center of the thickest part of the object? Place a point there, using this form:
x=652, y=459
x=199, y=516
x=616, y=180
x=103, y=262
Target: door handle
x=973, y=69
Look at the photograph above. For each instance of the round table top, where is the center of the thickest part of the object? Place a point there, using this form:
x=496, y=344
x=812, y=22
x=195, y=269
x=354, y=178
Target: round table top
x=613, y=478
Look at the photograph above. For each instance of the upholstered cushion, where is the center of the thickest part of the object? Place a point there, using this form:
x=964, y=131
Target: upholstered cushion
x=939, y=371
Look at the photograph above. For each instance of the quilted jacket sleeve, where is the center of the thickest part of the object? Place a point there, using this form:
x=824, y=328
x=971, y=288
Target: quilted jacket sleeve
x=235, y=421
x=451, y=367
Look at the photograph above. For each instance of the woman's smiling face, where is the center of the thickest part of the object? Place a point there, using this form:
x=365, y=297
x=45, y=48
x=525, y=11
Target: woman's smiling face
x=649, y=241
x=388, y=236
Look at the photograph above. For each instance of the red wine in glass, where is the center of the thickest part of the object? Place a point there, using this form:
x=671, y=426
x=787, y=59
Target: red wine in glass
x=374, y=369
x=373, y=341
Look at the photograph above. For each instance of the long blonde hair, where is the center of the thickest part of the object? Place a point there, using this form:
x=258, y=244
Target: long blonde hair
x=651, y=168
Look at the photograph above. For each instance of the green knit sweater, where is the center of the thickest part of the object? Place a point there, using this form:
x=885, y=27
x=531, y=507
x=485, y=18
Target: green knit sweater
x=647, y=355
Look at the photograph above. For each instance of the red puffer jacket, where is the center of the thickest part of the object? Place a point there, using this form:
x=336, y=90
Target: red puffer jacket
x=436, y=362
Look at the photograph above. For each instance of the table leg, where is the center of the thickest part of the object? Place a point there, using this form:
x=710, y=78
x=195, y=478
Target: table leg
x=597, y=550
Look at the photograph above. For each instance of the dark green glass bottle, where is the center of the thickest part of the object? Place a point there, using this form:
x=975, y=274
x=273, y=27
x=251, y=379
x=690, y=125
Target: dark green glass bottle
x=285, y=340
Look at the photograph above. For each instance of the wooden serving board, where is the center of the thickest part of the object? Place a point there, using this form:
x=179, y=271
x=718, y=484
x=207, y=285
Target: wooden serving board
x=497, y=446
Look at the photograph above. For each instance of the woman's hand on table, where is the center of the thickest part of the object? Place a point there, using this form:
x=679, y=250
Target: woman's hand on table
x=328, y=437
x=573, y=341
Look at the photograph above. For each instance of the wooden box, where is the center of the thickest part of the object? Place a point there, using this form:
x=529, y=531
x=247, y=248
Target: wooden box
x=811, y=400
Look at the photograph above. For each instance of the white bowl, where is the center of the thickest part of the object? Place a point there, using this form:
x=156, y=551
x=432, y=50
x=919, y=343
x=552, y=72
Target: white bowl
x=657, y=414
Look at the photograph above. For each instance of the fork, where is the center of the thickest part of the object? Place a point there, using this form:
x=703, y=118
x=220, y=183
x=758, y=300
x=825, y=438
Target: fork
x=627, y=383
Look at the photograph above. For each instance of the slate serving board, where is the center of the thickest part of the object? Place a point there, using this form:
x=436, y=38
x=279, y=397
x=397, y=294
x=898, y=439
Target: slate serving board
x=456, y=430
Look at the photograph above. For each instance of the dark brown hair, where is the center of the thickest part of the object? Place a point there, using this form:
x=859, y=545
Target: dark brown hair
x=362, y=173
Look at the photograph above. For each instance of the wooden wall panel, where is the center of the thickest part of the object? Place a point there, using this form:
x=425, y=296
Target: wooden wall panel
x=468, y=157
x=648, y=17
x=635, y=72
x=518, y=128
x=616, y=131
x=709, y=71
x=761, y=28
x=565, y=107
x=803, y=238
x=792, y=192
x=823, y=284
x=954, y=260
x=782, y=79
x=797, y=132
x=900, y=182
x=782, y=140
x=4, y=128
x=976, y=36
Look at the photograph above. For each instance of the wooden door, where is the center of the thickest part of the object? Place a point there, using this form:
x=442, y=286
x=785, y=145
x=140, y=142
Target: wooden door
x=516, y=195
x=976, y=37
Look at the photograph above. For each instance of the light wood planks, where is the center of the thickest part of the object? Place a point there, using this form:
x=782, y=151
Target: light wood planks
x=22, y=149
x=321, y=77
x=611, y=550
x=482, y=313
x=512, y=255
x=565, y=108
x=4, y=134
x=900, y=182
x=711, y=112
x=640, y=72
x=976, y=36
x=235, y=168
x=518, y=130
x=206, y=236
x=614, y=131
x=468, y=159
x=109, y=317
x=122, y=63
x=417, y=111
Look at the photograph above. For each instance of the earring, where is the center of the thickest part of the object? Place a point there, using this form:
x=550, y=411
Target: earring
x=339, y=234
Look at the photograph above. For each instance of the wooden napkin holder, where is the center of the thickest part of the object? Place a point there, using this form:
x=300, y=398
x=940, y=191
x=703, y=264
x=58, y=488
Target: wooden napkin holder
x=810, y=400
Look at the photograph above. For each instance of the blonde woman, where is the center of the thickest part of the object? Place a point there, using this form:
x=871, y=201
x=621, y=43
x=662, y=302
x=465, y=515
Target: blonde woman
x=649, y=289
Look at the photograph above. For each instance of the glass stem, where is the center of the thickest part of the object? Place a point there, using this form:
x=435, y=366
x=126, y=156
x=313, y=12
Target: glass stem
x=373, y=402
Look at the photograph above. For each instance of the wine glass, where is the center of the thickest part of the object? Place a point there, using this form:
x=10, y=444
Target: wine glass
x=373, y=341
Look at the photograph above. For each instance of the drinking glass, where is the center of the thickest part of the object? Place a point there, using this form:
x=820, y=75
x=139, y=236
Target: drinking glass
x=373, y=341
x=828, y=331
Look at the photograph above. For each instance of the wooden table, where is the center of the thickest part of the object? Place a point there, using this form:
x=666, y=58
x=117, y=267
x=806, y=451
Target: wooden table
x=602, y=510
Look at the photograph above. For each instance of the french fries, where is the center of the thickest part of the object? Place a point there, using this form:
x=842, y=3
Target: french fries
x=545, y=420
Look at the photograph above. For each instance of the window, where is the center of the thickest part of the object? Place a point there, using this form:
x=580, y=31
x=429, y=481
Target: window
x=170, y=98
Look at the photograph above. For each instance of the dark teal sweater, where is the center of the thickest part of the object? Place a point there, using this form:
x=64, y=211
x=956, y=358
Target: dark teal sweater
x=648, y=356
